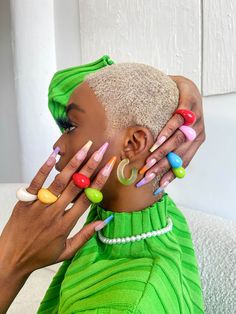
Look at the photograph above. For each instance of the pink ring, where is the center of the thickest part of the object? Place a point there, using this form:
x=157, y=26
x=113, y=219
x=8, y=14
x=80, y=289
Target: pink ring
x=189, y=132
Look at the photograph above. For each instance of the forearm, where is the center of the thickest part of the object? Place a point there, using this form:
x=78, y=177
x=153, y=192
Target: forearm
x=11, y=283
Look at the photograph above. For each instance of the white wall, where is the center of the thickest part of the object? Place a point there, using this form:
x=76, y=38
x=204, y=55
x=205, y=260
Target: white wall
x=209, y=185
x=34, y=64
x=10, y=152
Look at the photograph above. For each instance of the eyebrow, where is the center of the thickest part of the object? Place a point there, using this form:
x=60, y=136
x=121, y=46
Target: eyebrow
x=74, y=106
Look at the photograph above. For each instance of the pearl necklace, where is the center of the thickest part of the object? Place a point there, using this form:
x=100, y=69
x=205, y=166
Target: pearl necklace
x=137, y=237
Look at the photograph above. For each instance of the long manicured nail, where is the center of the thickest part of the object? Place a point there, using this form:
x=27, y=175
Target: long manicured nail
x=82, y=153
x=146, y=179
x=99, y=154
x=52, y=157
x=148, y=165
x=158, y=143
x=161, y=188
x=104, y=223
x=108, y=167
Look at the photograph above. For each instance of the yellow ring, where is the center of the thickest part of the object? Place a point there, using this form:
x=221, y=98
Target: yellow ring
x=46, y=197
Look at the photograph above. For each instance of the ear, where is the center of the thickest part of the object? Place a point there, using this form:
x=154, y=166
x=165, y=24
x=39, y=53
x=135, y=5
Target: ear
x=137, y=141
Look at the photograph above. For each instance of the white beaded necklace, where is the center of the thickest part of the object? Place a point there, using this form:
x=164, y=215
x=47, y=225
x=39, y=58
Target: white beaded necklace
x=137, y=237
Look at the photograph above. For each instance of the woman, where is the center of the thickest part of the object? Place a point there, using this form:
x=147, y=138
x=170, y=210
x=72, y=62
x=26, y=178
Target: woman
x=36, y=256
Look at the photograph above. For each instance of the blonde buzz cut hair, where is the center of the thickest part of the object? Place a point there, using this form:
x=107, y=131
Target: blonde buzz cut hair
x=135, y=94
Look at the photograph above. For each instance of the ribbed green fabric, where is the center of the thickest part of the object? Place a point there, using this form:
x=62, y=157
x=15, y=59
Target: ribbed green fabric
x=65, y=81
x=158, y=275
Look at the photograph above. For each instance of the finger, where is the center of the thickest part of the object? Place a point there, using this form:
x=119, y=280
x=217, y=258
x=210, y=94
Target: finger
x=166, y=179
x=74, y=243
x=189, y=150
x=62, y=179
x=41, y=176
x=72, y=215
x=174, y=141
x=172, y=125
x=187, y=153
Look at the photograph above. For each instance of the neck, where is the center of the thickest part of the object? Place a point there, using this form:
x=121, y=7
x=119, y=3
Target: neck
x=128, y=198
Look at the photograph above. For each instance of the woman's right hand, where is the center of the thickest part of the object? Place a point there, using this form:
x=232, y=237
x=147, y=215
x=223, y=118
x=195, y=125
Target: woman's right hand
x=36, y=233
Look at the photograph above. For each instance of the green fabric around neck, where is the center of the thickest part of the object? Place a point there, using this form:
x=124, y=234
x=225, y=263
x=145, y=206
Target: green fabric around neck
x=65, y=81
x=153, y=275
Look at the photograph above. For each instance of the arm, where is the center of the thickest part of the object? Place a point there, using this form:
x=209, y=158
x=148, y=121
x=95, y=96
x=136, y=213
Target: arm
x=36, y=233
x=11, y=282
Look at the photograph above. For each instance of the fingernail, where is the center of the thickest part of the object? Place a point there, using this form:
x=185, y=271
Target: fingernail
x=82, y=153
x=107, y=169
x=104, y=223
x=158, y=143
x=161, y=188
x=52, y=157
x=99, y=154
x=148, y=165
x=146, y=179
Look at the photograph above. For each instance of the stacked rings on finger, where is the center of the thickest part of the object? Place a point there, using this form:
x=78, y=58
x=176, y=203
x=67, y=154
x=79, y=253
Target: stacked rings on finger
x=176, y=165
x=189, y=118
x=83, y=182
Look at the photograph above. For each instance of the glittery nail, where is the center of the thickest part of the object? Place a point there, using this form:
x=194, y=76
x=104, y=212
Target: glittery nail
x=146, y=179
x=108, y=167
x=158, y=143
x=148, y=165
x=104, y=223
x=52, y=158
x=161, y=188
x=82, y=153
x=99, y=154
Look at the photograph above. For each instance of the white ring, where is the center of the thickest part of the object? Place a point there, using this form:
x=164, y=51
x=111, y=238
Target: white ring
x=23, y=195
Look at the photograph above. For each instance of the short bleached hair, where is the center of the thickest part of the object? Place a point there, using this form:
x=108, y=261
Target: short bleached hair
x=135, y=94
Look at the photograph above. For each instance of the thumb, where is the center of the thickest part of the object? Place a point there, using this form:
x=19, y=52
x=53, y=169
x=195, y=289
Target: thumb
x=74, y=243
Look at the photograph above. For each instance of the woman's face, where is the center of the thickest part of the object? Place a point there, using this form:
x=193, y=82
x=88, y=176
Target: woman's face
x=88, y=120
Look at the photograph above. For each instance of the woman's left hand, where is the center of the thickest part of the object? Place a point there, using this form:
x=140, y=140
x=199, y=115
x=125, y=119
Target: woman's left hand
x=171, y=139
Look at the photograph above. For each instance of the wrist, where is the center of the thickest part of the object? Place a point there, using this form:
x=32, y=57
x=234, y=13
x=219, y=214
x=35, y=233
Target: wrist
x=12, y=280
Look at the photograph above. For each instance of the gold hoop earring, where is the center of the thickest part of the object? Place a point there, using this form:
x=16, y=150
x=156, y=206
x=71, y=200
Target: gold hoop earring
x=120, y=173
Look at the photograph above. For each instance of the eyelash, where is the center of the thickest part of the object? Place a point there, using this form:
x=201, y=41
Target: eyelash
x=65, y=124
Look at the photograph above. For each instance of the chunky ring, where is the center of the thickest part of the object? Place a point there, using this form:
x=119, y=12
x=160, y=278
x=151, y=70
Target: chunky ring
x=188, y=115
x=46, y=197
x=81, y=180
x=25, y=196
x=94, y=195
x=176, y=164
x=189, y=132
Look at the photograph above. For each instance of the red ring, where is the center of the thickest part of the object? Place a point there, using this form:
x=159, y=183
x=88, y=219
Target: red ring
x=188, y=115
x=81, y=180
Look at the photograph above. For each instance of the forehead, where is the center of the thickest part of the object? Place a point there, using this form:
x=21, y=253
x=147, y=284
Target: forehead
x=84, y=97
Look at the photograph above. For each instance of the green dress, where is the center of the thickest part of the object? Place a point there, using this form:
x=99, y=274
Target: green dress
x=154, y=275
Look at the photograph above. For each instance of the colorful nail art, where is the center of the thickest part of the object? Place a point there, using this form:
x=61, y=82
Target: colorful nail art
x=161, y=188
x=148, y=165
x=82, y=153
x=99, y=154
x=52, y=157
x=104, y=223
x=108, y=167
x=158, y=143
x=146, y=179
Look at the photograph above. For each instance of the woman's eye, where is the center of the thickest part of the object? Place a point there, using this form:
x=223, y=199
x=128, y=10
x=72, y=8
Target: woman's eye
x=66, y=125
x=70, y=128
